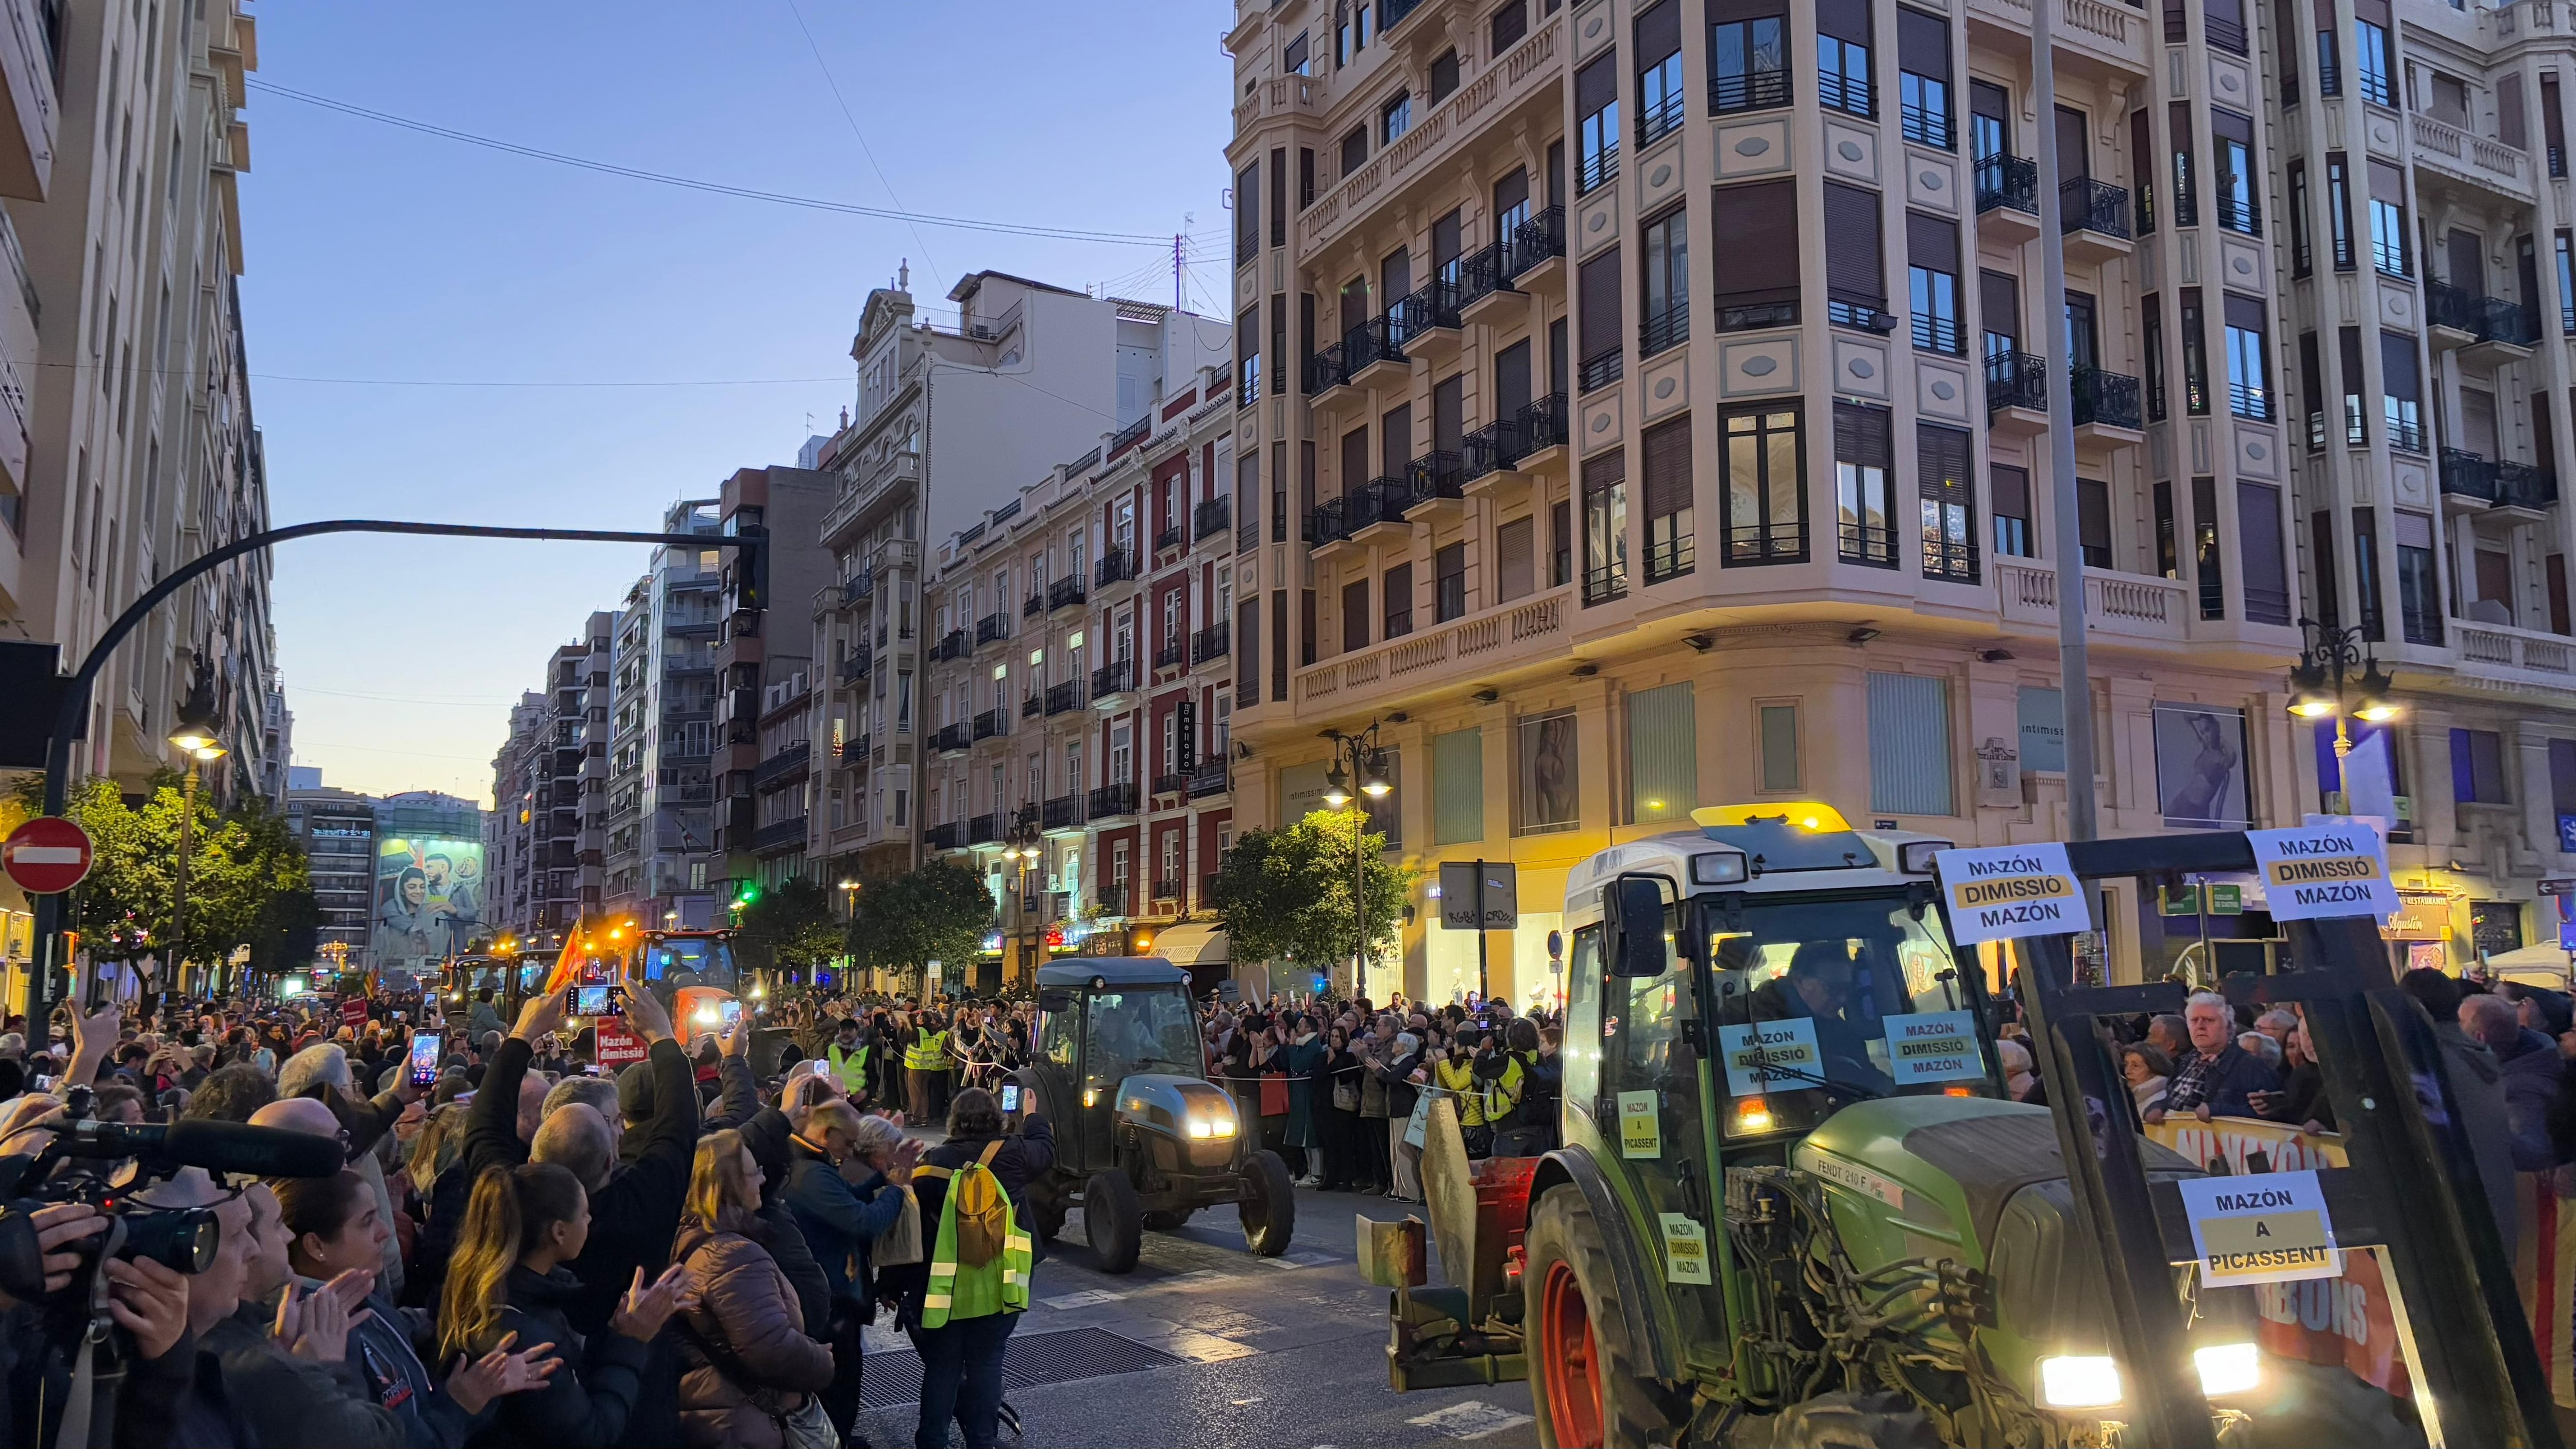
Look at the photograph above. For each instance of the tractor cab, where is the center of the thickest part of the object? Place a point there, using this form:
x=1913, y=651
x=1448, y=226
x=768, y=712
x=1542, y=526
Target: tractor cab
x=693, y=974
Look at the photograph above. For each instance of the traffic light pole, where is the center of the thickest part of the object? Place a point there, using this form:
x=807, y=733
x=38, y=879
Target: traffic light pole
x=72, y=710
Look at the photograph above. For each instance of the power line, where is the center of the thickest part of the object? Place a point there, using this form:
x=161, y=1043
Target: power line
x=864, y=149
x=471, y=382
x=1006, y=228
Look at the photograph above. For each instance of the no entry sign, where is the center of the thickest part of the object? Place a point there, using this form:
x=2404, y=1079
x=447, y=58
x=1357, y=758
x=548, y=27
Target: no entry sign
x=47, y=855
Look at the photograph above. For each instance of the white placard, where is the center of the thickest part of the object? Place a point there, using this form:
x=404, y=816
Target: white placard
x=1997, y=893
x=1934, y=1046
x=2324, y=870
x=1685, y=1248
x=2263, y=1227
x=1761, y=1055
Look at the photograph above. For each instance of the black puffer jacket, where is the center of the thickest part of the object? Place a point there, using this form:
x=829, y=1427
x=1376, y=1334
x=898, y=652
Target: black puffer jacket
x=589, y=1400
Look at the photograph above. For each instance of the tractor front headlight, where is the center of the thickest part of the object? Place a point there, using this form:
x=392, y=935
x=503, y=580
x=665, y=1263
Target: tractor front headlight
x=2228, y=1368
x=1212, y=1122
x=2079, y=1381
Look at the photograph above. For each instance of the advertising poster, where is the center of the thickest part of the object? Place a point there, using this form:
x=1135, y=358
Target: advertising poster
x=2200, y=767
x=428, y=901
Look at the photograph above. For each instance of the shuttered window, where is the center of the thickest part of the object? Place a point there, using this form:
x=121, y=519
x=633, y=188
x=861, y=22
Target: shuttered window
x=1923, y=79
x=1999, y=311
x=1909, y=745
x=1516, y=559
x=2010, y=487
x=1395, y=597
x=1355, y=619
x=1247, y=633
x=1458, y=787
x=1596, y=104
x=1855, y=270
x=1948, y=502
x=1247, y=215
x=1932, y=282
x=1598, y=297
x=2259, y=542
x=2402, y=392
x=2348, y=347
x=1663, y=754
x=2312, y=392
x=1668, y=500
x=1449, y=581
x=1756, y=245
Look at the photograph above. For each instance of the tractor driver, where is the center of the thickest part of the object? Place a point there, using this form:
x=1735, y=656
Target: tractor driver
x=1818, y=986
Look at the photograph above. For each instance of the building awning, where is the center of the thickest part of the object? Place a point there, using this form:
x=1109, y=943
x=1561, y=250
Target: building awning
x=1193, y=943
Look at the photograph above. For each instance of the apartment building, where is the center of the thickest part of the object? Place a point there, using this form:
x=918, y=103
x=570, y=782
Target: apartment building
x=753, y=656
x=546, y=841
x=951, y=423
x=1553, y=284
x=1078, y=688
x=338, y=831
x=660, y=823
x=127, y=442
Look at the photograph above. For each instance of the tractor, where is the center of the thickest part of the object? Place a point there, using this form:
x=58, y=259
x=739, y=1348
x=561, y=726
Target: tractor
x=1143, y=1138
x=1796, y=1205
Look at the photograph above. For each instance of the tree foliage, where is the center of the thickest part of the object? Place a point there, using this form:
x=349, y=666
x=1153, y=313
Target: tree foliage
x=940, y=912
x=1287, y=894
x=791, y=925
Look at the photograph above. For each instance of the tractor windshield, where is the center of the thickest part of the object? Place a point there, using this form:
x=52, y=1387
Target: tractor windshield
x=674, y=962
x=1149, y=1030
x=1824, y=1000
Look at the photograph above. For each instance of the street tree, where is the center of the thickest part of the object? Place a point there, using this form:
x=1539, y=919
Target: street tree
x=939, y=912
x=790, y=925
x=1287, y=894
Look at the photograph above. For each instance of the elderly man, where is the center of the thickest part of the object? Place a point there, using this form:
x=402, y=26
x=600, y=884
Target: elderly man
x=2530, y=1071
x=2214, y=1076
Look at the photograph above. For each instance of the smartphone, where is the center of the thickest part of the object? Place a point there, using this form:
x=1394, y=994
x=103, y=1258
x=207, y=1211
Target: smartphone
x=1010, y=1097
x=424, y=1061
x=731, y=1012
x=819, y=1066
x=607, y=1000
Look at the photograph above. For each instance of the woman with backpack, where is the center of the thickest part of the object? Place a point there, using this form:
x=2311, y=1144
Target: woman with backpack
x=973, y=1191
x=751, y=1375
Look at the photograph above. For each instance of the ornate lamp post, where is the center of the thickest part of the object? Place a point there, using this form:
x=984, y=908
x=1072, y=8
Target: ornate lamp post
x=2337, y=675
x=1357, y=756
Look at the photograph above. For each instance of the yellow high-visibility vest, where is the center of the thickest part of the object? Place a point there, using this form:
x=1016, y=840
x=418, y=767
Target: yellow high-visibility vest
x=928, y=1052
x=851, y=1067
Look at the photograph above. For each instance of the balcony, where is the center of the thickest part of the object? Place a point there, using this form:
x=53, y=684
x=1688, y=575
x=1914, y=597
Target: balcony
x=2094, y=218
x=1526, y=631
x=1065, y=698
x=1376, y=511
x=1430, y=316
x=1511, y=264
x=1211, y=516
x=2486, y=330
x=1325, y=525
x=2131, y=606
x=1168, y=898
x=1432, y=480
x=1111, y=681
x=1129, y=436
x=984, y=829
x=1113, y=899
x=953, y=738
x=2017, y=392
x=1211, y=778
x=1509, y=449
x=855, y=751
x=951, y=645
x=853, y=668
x=1116, y=567
x=1032, y=706
x=2524, y=656
x=1033, y=605
x=875, y=495
x=2464, y=156
x=779, y=834
x=992, y=629
x=2106, y=406
x=1171, y=536
x=1171, y=782
x=854, y=590
x=1064, y=812
x=1212, y=642
x=1172, y=655
x=1110, y=802
x=1668, y=327
x=992, y=722
x=2477, y=482
x=1066, y=594
x=951, y=836
x=1602, y=369
x=789, y=761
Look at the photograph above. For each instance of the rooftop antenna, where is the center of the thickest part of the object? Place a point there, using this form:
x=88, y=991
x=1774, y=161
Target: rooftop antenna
x=1180, y=267
x=903, y=276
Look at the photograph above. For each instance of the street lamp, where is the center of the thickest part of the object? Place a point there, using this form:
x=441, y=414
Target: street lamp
x=2324, y=684
x=201, y=749
x=1357, y=756
x=1023, y=846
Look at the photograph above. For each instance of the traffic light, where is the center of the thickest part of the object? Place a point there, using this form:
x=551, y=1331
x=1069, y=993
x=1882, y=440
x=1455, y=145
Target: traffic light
x=743, y=898
x=750, y=570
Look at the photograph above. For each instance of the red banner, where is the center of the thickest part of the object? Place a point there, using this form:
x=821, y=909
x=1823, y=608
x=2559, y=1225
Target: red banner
x=353, y=1013
x=617, y=1046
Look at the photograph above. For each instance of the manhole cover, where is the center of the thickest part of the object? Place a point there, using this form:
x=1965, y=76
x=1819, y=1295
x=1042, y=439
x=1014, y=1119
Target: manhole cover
x=889, y=1379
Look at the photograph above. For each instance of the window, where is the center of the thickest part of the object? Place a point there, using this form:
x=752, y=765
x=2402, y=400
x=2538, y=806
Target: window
x=2339, y=211
x=1923, y=78
x=1449, y=580
x=2355, y=425
x=1395, y=118
x=1596, y=101
x=1247, y=335
x=2152, y=332
x=2195, y=356
x=1515, y=560
x=1842, y=56
x=2093, y=521
x=2477, y=767
x=1775, y=735
x=1909, y=744
x=1355, y=619
x=1667, y=449
x=1863, y=453
x=2301, y=263
x=1545, y=790
x=2553, y=123
x=1603, y=348
x=2238, y=211
x=1764, y=516
x=2566, y=285
x=1292, y=59
x=2249, y=389
x=2402, y=392
x=1508, y=26
x=1355, y=150
x=2207, y=566
x=1748, y=58
x=2312, y=392
x=1755, y=240
x=2186, y=197
x=1664, y=311
x=1663, y=754
x=1395, y=599
x=2142, y=167
x=1605, y=528
x=2419, y=597
x=2388, y=243
x=1659, y=72
x=1949, y=503
x=1444, y=75
x=2011, y=489
x=1932, y=279
x=2329, y=62
x=1458, y=786
x=1855, y=274
x=1247, y=214
x=2375, y=63
x=2260, y=543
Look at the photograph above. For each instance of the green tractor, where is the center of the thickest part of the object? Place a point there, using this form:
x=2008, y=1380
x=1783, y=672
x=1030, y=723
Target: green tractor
x=1143, y=1138
x=1795, y=1205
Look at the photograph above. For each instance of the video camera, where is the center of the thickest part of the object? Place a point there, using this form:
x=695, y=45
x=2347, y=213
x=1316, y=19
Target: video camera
x=109, y=1164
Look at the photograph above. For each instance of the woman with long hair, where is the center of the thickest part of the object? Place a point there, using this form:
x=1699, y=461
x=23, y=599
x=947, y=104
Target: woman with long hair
x=750, y=1372
x=507, y=1279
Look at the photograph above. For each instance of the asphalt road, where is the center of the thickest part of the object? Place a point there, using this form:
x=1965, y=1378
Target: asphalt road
x=1206, y=1345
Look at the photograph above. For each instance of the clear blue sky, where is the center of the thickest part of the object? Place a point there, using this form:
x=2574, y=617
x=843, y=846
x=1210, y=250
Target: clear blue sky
x=385, y=254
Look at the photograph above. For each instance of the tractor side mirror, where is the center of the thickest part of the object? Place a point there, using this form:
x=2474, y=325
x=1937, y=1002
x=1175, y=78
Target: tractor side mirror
x=1634, y=915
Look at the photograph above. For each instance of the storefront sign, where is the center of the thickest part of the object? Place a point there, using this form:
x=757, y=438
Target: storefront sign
x=2002, y=892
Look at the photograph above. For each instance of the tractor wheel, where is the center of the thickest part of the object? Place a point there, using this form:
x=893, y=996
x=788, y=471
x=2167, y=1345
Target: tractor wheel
x=1269, y=1206
x=1112, y=1221
x=1046, y=1214
x=1875, y=1420
x=1584, y=1382
x=1164, y=1220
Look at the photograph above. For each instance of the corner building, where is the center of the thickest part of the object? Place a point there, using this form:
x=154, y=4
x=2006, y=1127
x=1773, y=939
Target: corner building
x=1645, y=408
